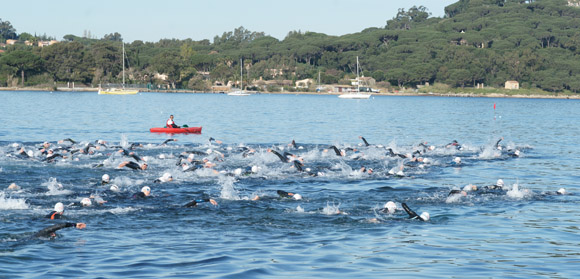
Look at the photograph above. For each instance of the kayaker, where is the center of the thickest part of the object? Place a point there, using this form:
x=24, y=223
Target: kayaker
x=170, y=123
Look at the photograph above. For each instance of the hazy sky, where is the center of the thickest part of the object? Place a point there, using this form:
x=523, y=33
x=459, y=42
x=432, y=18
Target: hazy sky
x=151, y=21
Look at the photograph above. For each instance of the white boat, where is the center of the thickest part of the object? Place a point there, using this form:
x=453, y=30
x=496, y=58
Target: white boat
x=357, y=94
x=122, y=90
x=240, y=92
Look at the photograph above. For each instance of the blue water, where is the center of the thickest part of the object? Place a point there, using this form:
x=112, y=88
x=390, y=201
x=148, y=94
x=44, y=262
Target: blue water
x=335, y=231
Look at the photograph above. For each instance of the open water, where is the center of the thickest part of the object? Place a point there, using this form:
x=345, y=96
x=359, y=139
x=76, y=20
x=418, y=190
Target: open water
x=337, y=230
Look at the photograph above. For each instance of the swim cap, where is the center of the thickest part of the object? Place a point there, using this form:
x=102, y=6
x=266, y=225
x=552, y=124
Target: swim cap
x=517, y=153
x=59, y=207
x=297, y=196
x=105, y=178
x=562, y=191
x=208, y=151
x=400, y=173
x=425, y=216
x=390, y=206
x=114, y=188
x=15, y=145
x=30, y=153
x=457, y=160
x=426, y=160
x=146, y=190
x=238, y=171
x=470, y=187
x=86, y=202
x=190, y=156
x=161, y=156
x=431, y=147
x=255, y=169
x=499, y=182
x=307, y=169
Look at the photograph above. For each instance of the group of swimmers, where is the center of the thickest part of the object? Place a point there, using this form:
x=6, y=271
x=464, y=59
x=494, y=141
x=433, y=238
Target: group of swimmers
x=68, y=149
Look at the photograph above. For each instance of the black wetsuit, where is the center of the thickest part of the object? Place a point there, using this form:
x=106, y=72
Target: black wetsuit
x=53, y=215
x=283, y=194
x=139, y=195
x=282, y=158
x=365, y=141
x=167, y=140
x=49, y=232
x=336, y=151
x=412, y=214
x=133, y=165
x=194, y=203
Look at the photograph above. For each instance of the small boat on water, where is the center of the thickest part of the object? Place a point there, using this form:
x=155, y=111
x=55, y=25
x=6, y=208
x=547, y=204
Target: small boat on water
x=240, y=92
x=357, y=94
x=183, y=130
x=122, y=90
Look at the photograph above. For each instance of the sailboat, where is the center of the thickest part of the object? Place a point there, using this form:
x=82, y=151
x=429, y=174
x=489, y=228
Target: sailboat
x=356, y=94
x=122, y=90
x=240, y=92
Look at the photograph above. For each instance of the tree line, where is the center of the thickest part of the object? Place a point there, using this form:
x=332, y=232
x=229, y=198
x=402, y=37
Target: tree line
x=535, y=42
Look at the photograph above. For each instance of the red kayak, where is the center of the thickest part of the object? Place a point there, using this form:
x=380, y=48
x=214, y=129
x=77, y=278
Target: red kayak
x=187, y=130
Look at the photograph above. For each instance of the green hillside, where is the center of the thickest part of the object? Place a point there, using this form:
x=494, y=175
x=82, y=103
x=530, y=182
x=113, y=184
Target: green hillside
x=477, y=42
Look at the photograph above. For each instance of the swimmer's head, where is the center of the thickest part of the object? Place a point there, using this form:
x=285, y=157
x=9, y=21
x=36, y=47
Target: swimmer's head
x=255, y=169
x=146, y=190
x=297, y=197
x=457, y=160
x=13, y=187
x=499, y=182
x=517, y=152
x=238, y=171
x=59, y=207
x=425, y=216
x=190, y=156
x=114, y=188
x=431, y=147
x=15, y=145
x=105, y=178
x=30, y=153
x=86, y=202
x=167, y=177
x=390, y=206
x=470, y=187
x=161, y=156
x=426, y=160
x=561, y=191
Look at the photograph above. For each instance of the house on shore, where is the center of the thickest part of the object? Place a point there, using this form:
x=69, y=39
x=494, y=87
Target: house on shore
x=512, y=84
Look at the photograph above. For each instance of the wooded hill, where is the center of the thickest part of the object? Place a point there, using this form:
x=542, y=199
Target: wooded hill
x=477, y=41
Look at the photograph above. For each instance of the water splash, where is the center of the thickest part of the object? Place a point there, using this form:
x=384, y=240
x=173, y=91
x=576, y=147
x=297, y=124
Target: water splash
x=331, y=209
x=55, y=188
x=228, y=192
x=10, y=203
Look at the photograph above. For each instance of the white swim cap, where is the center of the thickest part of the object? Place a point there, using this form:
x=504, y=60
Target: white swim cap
x=307, y=169
x=114, y=188
x=161, y=156
x=146, y=190
x=190, y=156
x=105, y=178
x=470, y=187
x=30, y=153
x=431, y=147
x=400, y=173
x=390, y=206
x=255, y=169
x=229, y=148
x=457, y=160
x=86, y=202
x=425, y=216
x=517, y=152
x=499, y=182
x=297, y=196
x=59, y=207
x=562, y=191
x=208, y=151
x=426, y=160
x=238, y=171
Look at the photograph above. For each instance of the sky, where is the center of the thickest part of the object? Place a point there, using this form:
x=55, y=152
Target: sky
x=151, y=21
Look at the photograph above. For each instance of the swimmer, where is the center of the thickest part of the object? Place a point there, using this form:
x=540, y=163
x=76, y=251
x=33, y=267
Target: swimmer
x=132, y=165
x=168, y=140
x=51, y=231
x=497, y=186
x=145, y=192
x=364, y=140
x=13, y=187
x=284, y=194
x=194, y=203
x=57, y=213
x=170, y=123
x=515, y=153
x=393, y=154
x=364, y=169
x=340, y=153
x=456, y=161
x=105, y=179
x=216, y=141
x=412, y=215
x=497, y=145
x=282, y=158
x=454, y=143
x=165, y=178
x=389, y=207
x=67, y=139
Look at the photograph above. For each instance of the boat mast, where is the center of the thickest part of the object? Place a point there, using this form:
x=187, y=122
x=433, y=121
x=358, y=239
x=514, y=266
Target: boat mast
x=123, y=64
x=241, y=75
x=357, y=80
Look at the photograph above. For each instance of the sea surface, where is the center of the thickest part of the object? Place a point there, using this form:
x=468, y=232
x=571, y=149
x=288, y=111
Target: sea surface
x=337, y=230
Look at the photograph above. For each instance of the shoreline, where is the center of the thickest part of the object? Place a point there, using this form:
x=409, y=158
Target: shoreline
x=430, y=94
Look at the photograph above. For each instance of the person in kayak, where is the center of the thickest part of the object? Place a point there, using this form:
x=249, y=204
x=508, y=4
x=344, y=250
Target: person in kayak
x=170, y=123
